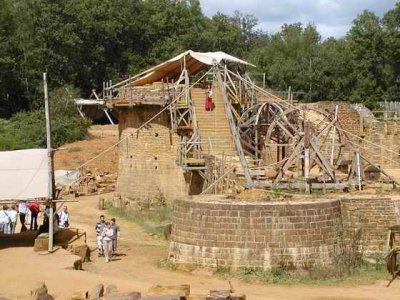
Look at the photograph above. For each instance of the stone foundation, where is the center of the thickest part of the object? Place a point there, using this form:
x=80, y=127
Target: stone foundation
x=215, y=232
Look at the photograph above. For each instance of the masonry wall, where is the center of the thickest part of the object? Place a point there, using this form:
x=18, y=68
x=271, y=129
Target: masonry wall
x=221, y=232
x=384, y=134
x=147, y=168
x=387, y=135
x=373, y=217
x=348, y=117
x=254, y=234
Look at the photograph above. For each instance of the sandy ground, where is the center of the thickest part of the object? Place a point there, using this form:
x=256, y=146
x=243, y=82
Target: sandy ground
x=136, y=269
x=101, y=138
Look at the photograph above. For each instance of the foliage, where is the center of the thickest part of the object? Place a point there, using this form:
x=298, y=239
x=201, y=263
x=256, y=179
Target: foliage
x=28, y=129
x=85, y=42
x=364, y=274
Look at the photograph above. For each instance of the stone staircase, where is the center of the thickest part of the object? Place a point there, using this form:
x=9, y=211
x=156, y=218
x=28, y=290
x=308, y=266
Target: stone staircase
x=213, y=125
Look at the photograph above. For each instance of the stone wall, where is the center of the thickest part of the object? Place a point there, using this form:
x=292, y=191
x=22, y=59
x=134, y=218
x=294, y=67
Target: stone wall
x=147, y=161
x=224, y=233
x=387, y=135
x=348, y=117
x=213, y=231
x=384, y=134
x=373, y=217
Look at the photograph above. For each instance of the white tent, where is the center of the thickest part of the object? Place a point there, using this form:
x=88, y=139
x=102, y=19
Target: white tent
x=194, y=61
x=24, y=174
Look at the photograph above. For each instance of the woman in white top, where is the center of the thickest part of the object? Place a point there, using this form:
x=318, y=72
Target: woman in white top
x=107, y=234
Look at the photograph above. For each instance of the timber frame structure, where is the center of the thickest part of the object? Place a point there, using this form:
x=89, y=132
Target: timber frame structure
x=275, y=142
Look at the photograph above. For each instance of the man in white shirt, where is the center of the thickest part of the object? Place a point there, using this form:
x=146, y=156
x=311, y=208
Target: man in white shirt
x=64, y=218
x=12, y=214
x=23, y=211
x=4, y=220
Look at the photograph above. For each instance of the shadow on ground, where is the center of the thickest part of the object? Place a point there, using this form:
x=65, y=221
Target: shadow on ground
x=27, y=238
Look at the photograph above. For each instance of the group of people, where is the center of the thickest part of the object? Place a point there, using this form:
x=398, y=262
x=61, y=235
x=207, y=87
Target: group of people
x=26, y=211
x=8, y=219
x=107, y=235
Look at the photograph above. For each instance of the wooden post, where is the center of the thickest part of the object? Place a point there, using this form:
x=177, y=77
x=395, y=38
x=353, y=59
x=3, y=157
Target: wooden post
x=307, y=143
x=263, y=80
x=358, y=164
x=289, y=94
x=50, y=194
x=334, y=135
x=306, y=168
x=386, y=123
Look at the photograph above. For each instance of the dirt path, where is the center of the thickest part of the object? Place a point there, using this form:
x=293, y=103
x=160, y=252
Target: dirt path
x=143, y=252
x=137, y=270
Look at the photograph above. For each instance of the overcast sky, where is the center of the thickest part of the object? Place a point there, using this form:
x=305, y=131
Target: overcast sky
x=332, y=17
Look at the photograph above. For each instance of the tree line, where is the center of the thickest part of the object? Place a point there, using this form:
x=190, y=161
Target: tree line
x=81, y=43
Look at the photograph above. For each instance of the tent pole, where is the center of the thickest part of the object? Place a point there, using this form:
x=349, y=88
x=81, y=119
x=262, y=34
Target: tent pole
x=50, y=193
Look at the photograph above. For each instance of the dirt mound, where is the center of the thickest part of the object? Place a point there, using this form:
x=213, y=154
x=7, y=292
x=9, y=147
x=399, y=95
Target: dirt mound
x=101, y=138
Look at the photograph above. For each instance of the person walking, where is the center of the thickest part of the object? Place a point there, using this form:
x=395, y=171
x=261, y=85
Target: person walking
x=13, y=215
x=99, y=230
x=4, y=220
x=115, y=235
x=22, y=210
x=34, y=208
x=107, y=234
x=64, y=218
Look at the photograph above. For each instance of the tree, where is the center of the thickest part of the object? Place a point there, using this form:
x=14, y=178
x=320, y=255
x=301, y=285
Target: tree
x=368, y=52
x=391, y=23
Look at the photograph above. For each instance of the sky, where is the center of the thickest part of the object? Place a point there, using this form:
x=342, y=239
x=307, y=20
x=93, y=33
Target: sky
x=332, y=17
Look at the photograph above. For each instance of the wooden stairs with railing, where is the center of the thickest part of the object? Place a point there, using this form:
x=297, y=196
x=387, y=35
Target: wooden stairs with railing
x=215, y=132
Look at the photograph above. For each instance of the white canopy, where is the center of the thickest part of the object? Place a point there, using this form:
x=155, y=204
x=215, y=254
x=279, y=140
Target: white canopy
x=194, y=61
x=24, y=174
x=88, y=102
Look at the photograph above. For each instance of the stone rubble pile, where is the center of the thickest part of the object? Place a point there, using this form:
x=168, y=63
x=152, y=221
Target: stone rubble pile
x=92, y=182
x=158, y=292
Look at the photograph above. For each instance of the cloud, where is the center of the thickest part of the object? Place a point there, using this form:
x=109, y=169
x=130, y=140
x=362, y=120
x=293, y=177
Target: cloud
x=332, y=17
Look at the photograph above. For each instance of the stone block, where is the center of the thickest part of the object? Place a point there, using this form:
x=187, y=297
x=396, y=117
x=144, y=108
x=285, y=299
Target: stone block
x=79, y=295
x=81, y=250
x=159, y=290
x=97, y=291
x=123, y=296
x=40, y=289
x=236, y=296
x=41, y=242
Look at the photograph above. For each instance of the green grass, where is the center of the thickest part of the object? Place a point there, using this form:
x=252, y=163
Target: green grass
x=327, y=275
x=153, y=221
x=74, y=149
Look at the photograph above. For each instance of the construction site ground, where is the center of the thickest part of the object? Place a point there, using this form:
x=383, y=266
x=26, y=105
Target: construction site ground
x=101, y=137
x=137, y=269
